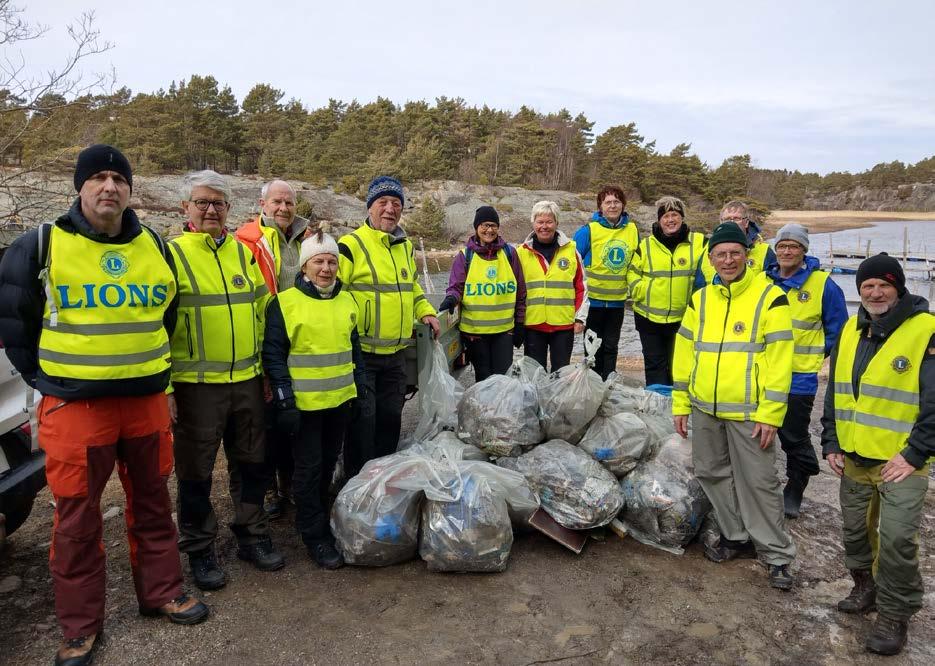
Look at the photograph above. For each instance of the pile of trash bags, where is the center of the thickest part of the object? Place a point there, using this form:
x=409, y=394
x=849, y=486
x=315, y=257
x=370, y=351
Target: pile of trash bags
x=569, y=399
x=618, y=442
x=665, y=504
x=439, y=397
x=574, y=489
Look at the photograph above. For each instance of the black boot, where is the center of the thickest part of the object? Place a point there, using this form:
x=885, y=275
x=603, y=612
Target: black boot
x=262, y=554
x=792, y=496
x=206, y=572
x=779, y=577
x=888, y=636
x=863, y=596
x=326, y=555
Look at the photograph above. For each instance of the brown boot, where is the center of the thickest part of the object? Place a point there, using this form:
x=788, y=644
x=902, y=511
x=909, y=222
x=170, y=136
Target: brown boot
x=863, y=596
x=181, y=610
x=76, y=651
x=888, y=636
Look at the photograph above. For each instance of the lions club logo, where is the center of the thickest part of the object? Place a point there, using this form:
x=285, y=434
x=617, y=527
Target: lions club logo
x=682, y=261
x=804, y=296
x=901, y=364
x=614, y=256
x=404, y=273
x=238, y=281
x=739, y=328
x=563, y=263
x=491, y=272
x=750, y=263
x=114, y=264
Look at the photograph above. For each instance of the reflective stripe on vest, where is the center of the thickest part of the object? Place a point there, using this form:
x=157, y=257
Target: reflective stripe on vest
x=611, y=253
x=756, y=260
x=320, y=361
x=670, y=277
x=216, y=339
x=877, y=423
x=103, y=317
x=550, y=295
x=489, y=299
x=805, y=306
x=381, y=280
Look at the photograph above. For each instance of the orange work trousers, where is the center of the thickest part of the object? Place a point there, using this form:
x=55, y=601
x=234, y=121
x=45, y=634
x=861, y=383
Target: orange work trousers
x=83, y=439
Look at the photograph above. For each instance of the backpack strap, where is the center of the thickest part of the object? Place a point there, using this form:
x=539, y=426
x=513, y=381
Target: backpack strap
x=44, y=254
x=469, y=254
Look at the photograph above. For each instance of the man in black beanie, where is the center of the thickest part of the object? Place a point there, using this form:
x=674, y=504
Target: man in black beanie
x=879, y=436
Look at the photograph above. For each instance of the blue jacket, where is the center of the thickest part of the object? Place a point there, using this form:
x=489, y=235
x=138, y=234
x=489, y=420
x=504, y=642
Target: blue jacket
x=582, y=240
x=833, y=316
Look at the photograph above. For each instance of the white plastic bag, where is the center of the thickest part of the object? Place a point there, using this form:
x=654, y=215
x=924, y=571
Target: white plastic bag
x=570, y=397
x=618, y=442
x=439, y=398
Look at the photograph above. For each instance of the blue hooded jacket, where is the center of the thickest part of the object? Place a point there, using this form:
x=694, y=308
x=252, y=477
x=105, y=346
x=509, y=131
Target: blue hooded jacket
x=582, y=240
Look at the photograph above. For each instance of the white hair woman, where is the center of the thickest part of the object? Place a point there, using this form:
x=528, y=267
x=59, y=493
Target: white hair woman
x=311, y=353
x=556, y=295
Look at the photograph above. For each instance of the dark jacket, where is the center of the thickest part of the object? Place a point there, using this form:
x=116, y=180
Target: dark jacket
x=22, y=302
x=276, y=344
x=459, y=269
x=873, y=333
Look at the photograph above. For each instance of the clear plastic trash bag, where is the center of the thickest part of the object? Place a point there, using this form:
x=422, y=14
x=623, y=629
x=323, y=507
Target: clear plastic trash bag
x=576, y=490
x=438, y=398
x=618, y=442
x=446, y=445
x=665, y=504
x=568, y=399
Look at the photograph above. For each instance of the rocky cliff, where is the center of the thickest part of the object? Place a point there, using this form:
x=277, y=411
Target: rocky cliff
x=915, y=197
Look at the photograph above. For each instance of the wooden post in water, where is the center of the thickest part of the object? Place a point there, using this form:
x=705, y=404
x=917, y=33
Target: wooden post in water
x=867, y=256
x=831, y=248
x=905, y=246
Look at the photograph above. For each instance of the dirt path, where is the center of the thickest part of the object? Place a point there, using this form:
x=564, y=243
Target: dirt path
x=619, y=602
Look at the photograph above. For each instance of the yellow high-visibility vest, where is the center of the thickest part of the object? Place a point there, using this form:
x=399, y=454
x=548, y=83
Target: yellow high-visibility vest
x=320, y=358
x=104, y=308
x=807, y=327
x=612, y=251
x=876, y=424
x=489, y=301
x=756, y=261
x=733, y=352
x=661, y=281
x=382, y=279
x=222, y=302
x=550, y=294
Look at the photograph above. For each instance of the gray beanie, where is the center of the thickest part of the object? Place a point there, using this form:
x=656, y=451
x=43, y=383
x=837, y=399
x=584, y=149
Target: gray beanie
x=794, y=232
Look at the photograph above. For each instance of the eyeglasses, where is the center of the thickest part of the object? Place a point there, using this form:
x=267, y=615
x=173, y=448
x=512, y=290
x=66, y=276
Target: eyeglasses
x=488, y=226
x=788, y=247
x=724, y=256
x=202, y=205
x=736, y=219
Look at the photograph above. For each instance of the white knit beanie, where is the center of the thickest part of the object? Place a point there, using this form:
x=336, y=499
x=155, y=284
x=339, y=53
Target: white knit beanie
x=317, y=243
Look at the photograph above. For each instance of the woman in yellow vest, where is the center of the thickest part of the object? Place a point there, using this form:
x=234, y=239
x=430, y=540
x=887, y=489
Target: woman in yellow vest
x=311, y=353
x=660, y=281
x=556, y=292
x=487, y=281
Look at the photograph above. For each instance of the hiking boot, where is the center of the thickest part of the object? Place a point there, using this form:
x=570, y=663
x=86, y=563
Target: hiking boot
x=326, y=556
x=275, y=505
x=863, y=595
x=729, y=550
x=206, y=572
x=181, y=610
x=262, y=554
x=779, y=577
x=76, y=651
x=888, y=636
x=792, y=496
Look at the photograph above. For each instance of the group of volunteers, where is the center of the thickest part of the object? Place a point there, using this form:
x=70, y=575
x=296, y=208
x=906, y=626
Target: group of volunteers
x=288, y=347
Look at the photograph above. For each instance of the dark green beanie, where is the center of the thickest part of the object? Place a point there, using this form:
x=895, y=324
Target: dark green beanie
x=727, y=232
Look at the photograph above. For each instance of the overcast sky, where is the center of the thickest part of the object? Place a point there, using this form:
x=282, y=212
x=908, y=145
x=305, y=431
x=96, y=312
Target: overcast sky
x=810, y=85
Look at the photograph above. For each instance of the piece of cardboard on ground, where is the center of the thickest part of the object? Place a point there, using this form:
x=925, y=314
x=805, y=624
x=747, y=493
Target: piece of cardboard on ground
x=571, y=539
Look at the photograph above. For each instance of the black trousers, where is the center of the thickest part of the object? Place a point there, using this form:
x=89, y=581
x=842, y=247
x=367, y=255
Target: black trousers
x=315, y=451
x=658, y=341
x=801, y=461
x=606, y=322
x=556, y=345
x=376, y=416
x=278, y=455
x=490, y=354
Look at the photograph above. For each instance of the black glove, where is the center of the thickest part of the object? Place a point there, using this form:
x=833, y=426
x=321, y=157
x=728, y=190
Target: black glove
x=288, y=418
x=519, y=336
x=448, y=304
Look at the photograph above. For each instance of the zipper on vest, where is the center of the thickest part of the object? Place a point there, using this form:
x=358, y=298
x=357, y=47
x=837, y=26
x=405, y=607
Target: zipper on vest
x=399, y=290
x=230, y=313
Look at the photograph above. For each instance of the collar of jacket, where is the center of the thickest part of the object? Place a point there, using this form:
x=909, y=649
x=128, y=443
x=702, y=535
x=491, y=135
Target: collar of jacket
x=74, y=220
x=737, y=287
x=484, y=250
x=398, y=235
x=309, y=289
x=674, y=240
x=906, y=307
x=298, y=227
x=797, y=279
x=600, y=219
x=562, y=238
x=753, y=232
x=207, y=238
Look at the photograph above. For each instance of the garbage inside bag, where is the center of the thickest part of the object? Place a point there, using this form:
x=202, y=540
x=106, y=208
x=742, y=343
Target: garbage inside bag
x=528, y=369
x=618, y=442
x=568, y=400
x=439, y=397
x=573, y=488
x=446, y=445
x=625, y=394
x=500, y=415
x=659, y=427
x=375, y=517
x=472, y=532
x=665, y=504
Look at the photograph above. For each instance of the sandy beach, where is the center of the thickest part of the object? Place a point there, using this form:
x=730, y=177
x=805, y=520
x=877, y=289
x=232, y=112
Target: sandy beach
x=821, y=221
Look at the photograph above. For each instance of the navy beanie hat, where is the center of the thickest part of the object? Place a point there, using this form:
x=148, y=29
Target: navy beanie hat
x=384, y=186
x=486, y=214
x=882, y=267
x=101, y=157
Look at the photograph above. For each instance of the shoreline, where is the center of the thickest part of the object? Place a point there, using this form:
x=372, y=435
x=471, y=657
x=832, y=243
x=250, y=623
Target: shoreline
x=825, y=221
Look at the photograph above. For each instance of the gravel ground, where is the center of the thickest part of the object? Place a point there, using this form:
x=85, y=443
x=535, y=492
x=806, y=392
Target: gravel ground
x=618, y=602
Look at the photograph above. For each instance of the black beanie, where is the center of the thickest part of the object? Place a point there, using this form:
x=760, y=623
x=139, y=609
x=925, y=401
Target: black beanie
x=728, y=232
x=486, y=214
x=882, y=267
x=101, y=157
